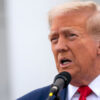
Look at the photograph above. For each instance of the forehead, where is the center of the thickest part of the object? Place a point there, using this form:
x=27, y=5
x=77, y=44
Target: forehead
x=72, y=20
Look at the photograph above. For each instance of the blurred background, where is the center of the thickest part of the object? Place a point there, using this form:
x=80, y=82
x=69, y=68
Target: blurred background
x=26, y=60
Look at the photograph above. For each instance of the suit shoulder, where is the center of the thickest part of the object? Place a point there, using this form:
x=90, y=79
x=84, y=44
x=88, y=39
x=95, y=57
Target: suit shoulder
x=38, y=94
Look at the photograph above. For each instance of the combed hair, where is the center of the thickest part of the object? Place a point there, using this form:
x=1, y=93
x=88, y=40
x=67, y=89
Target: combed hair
x=93, y=25
x=93, y=22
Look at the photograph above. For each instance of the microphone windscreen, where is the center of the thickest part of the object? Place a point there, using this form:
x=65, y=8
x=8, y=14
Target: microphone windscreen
x=65, y=76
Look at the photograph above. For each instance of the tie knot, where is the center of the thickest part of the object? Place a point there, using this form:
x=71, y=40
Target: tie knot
x=84, y=91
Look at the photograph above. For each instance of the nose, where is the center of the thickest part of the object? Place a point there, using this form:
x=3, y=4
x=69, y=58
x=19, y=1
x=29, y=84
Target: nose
x=61, y=45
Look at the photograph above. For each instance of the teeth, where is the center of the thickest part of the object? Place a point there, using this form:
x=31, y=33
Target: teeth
x=65, y=62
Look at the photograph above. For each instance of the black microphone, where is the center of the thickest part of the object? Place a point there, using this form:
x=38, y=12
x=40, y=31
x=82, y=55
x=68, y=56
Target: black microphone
x=61, y=81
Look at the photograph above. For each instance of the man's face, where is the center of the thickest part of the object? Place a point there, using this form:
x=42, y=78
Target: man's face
x=74, y=50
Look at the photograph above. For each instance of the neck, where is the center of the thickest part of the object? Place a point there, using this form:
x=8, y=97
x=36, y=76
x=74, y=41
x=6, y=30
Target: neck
x=88, y=77
x=85, y=81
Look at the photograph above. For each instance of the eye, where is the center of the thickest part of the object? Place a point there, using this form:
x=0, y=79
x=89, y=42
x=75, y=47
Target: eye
x=72, y=36
x=54, y=39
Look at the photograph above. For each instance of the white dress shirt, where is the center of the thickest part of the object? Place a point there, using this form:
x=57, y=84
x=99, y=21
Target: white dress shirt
x=94, y=86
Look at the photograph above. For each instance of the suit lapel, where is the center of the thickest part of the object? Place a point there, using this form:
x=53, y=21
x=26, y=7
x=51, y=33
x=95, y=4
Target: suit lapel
x=63, y=94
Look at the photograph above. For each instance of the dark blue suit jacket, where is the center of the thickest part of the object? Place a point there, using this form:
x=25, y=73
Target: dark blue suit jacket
x=42, y=94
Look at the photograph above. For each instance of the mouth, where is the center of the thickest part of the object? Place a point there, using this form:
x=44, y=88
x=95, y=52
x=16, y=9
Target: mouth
x=65, y=62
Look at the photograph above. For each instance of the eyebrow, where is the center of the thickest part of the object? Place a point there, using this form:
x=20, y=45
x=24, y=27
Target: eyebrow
x=63, y=30
x=52, y=33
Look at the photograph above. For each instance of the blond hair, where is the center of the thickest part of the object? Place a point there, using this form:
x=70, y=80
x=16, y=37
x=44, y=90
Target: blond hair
x=93, y=22
x=93, y=25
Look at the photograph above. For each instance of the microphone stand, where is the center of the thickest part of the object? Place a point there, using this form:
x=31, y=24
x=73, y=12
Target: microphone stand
x=61, y=80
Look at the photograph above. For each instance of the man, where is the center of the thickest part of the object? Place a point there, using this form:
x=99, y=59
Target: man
x=75, y=42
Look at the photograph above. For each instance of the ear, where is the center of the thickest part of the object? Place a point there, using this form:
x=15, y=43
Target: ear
x=98, y=51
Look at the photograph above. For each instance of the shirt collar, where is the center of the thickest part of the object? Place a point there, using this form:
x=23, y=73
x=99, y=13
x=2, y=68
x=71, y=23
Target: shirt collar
x=71, y=91
x=94, y=85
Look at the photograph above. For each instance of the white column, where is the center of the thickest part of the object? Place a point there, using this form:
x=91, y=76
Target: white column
x=4, y=76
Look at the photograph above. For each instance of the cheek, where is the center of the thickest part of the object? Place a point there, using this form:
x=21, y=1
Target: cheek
x=84, y=54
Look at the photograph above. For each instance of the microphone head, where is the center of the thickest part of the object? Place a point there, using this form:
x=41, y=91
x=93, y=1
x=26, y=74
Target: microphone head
x=65, y=76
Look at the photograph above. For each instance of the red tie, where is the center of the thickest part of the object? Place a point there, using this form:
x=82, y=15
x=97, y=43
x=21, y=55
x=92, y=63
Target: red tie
x=84, y=92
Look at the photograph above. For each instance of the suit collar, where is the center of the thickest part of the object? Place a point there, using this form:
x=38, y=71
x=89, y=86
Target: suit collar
x=63, y=94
